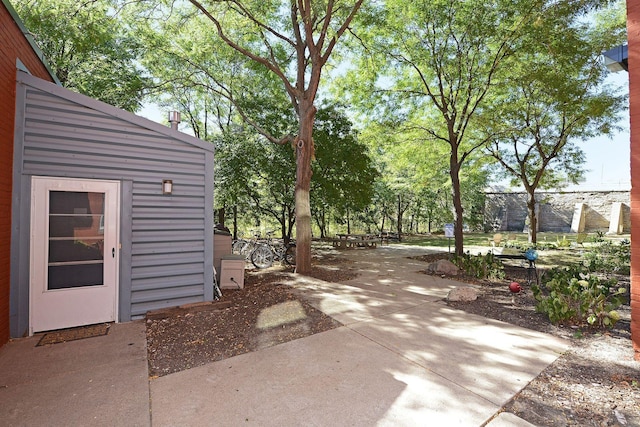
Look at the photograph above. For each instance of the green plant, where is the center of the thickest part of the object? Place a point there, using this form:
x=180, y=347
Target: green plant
x=608, y=258
x=564, y=243
x=481, y=266
x=598, y=237
x=541, y=246
x=576, y=296
x=515, y=244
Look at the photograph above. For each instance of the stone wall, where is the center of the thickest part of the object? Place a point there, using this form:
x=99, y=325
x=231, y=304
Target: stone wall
x=508, y=211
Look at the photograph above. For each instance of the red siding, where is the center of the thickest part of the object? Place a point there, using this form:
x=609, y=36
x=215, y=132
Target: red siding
x=633, y=30
x=13, y=45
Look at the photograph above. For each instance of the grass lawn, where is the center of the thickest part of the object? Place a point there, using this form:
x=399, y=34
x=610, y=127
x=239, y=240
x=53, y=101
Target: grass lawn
x=566, y=250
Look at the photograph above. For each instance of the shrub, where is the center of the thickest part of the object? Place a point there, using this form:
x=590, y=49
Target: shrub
x=481, y=266
x=576, y=296
x=609, y=258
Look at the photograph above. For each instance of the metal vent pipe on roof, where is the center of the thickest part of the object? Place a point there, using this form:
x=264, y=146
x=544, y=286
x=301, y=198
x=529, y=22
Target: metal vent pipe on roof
x=174, y=119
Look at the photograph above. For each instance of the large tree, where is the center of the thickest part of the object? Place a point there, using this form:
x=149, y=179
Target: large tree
x=554, y=97
x=436, y=63
x=345, y=173
x=292, y=40
x=440, y=61
x=88, y=48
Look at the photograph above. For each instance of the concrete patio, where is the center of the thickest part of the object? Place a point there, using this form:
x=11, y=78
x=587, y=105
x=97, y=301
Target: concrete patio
x=402, y=358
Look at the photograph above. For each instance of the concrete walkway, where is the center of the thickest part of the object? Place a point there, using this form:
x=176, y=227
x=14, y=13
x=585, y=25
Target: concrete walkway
x=100, y=381
x=402, y=358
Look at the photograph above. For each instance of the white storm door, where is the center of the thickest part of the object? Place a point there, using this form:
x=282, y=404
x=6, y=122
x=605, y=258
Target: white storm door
x=74, y=252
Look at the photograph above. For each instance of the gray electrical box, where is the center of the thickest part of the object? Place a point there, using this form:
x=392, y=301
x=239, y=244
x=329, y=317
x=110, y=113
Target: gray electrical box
x=232, y=272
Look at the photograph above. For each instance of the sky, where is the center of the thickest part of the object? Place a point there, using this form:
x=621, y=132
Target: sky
x=607, y=158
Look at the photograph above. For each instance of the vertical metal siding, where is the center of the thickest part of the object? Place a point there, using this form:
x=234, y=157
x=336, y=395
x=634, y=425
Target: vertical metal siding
x=168, y=232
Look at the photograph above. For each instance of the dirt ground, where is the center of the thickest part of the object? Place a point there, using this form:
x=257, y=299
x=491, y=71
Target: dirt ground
x=595, y=383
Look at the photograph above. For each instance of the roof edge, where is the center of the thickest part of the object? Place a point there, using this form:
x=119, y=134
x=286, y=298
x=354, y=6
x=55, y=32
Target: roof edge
x=78, y=98
x=32, y=41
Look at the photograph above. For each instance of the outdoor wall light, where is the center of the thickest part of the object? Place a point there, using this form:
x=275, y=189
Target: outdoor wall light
x=167, y=186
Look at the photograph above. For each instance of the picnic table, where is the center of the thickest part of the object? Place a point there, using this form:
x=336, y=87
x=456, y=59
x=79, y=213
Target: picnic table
x=385, y=236
x=355, y=241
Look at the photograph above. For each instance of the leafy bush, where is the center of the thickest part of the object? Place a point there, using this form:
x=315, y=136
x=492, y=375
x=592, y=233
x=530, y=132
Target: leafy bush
x=609, y=258
x=515, y=244
x=576, y=296
x=481, y=266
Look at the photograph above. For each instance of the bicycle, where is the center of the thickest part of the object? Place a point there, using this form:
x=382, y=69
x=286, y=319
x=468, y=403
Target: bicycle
x=246, y=246
x=266, y=253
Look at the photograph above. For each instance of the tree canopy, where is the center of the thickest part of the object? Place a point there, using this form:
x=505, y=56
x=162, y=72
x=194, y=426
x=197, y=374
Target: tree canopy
x=430, y=92
x=89, y=48
x=293, y=41
x=439, y=68
x=553, y=98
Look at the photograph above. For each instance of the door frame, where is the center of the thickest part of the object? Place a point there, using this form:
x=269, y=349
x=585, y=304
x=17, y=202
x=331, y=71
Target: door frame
x=72, y=184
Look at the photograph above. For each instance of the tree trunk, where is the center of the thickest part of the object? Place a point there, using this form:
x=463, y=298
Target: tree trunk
x=235, y=222
x=221, y=215
x=399, y=216
x=457, y=204
x=304, y=153
x=533, y=218
x=290, y=224
x=283, y=227
x=321, y=221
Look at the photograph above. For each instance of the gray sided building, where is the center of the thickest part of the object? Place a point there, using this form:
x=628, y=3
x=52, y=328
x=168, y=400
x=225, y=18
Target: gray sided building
x=96, y=236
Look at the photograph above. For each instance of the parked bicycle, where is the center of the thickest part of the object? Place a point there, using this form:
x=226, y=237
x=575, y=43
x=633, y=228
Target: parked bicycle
x=246, y=246
x=266, y=253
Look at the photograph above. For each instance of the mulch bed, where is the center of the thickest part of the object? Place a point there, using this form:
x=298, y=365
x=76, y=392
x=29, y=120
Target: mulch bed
x=72, y=334
x=263, y=314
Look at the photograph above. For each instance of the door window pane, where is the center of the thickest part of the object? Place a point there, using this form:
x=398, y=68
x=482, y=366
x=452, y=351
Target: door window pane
x=76, y=239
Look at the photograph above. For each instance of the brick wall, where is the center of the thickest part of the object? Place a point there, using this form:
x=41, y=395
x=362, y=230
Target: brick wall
x=13, y=45
x=633, y=35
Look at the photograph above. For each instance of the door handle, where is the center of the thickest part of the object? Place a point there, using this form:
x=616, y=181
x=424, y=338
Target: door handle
x=113, y=252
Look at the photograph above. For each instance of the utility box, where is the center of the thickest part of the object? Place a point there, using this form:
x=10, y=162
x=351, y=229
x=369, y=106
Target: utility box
x=232, y=272
x=221, y=247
